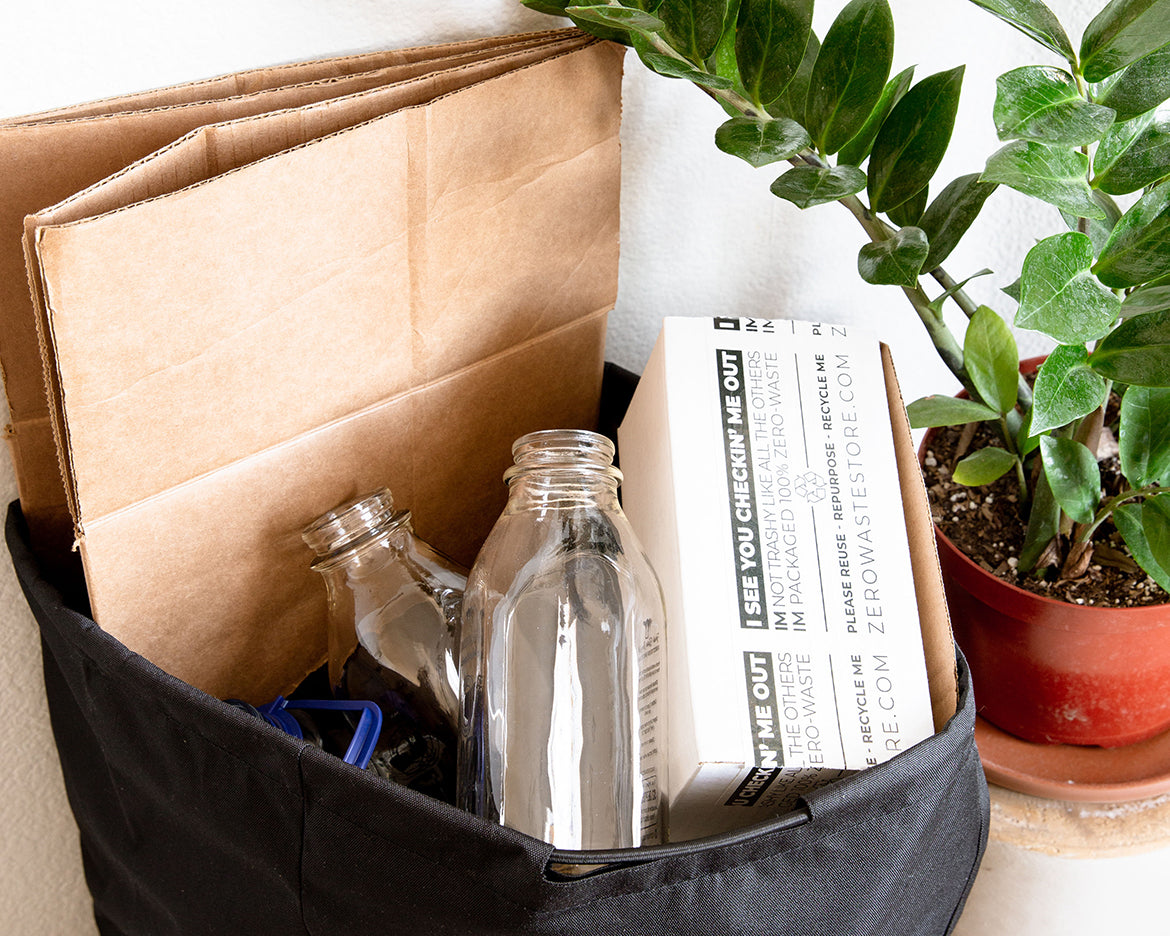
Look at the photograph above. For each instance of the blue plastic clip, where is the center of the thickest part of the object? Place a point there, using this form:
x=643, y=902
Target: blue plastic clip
x=365, y=735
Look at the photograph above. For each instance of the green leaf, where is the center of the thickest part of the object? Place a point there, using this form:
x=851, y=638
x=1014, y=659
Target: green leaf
x=1138, y=250
x=1033, y=19
x=937, y=304
x=1052, y=174
x=670, y=67
x=984, y=466
x=722, y=61
x=935, y=410
x=989, y=353
x=1146, y=299
x=850, y=72
x=1026, y=443
x=1139, y=156
x=1128, y=520
x=1099, y=228
x=1066, y=389
x=1144, y=435
x=1121, y=34
x=951, y=214
x=806, y=186
x=770, y=40
x=761, y=142
x=1038, y=102
x=911, y=143
x=551, y=7
x=619, y=17
x=791, y=102
x=1141, y=87
x=1073, y=475
x=1013, y=290
x=693, y=27
x=910, y=211
x=1043, y=523
x=1156, y=526
x=1120, y=138
x=855, y=151
x=896, y=261
x=1136, y=352
x=593, y=27
x=1058, y=294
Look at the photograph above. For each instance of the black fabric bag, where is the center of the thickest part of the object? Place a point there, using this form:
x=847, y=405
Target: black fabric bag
x=197, y=818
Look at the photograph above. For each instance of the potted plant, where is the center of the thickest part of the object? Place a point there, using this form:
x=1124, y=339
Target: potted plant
x=1087, y=137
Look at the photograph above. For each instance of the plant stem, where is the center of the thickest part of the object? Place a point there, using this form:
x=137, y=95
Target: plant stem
x=969, y=307
x=1010, y=444
x=962, y=300
x=948, y=348
x=944, y=342
x=1088, y=428
x=726, y=95
x=1112, y=503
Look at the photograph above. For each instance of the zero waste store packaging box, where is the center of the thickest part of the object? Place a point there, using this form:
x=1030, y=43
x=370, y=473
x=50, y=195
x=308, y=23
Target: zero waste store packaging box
x=263, y=317
x=770, y=475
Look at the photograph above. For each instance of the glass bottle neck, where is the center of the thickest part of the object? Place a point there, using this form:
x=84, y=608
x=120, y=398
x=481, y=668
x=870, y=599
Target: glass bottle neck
x=350, y=530
x=562, y=467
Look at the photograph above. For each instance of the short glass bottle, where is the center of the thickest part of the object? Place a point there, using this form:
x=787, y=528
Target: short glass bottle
x=561, y=656
x=394, y=607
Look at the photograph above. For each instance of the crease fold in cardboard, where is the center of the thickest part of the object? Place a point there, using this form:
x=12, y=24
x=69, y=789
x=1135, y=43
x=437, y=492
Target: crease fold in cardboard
x=262, y=317
x=51, y=157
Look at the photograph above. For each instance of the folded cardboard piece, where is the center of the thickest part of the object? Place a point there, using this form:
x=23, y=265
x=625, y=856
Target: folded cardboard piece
x=276, y=312
x=52, y=156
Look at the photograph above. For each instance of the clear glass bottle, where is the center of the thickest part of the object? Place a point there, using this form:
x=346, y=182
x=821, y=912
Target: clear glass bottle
x=561, y=656
x=394, y=608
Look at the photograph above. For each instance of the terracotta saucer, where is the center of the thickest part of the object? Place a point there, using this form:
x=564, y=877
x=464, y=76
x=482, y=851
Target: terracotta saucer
x=1073, y=773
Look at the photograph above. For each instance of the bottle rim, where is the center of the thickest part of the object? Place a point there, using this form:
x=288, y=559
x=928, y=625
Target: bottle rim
x=561, y=451
x=352, y=525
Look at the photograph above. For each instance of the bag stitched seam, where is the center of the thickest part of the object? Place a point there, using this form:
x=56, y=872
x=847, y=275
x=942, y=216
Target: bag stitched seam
x=976, y=861
x=828, y=834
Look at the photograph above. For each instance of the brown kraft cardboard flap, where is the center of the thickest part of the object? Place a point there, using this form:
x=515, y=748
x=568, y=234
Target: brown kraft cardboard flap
x=282, y=311
x=50, y=156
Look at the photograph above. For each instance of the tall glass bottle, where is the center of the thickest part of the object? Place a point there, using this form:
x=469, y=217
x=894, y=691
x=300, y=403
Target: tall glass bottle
x=561, y=656
x=394, y=605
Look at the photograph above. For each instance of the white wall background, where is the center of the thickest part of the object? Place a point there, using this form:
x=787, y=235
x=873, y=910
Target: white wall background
x=700, y=235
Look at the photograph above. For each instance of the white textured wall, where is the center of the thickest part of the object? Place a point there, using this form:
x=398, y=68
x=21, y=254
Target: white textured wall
x=700, y=235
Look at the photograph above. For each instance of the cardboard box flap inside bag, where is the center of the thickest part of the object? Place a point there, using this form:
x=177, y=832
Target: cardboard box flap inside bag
x=381, y=273
x=51, y=156
x=450, y=239
x=770, y=474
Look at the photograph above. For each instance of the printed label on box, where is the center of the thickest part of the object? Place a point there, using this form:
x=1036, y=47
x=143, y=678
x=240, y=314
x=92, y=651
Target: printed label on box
x=794, y=573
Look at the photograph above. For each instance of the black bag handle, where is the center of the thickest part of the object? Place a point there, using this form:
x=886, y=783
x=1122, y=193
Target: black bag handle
x=566, y=864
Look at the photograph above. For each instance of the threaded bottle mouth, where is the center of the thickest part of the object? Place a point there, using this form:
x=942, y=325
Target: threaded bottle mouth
x=351, y=524
x=560, y=450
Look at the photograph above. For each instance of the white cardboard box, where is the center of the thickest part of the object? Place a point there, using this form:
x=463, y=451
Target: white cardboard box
x=761, y=476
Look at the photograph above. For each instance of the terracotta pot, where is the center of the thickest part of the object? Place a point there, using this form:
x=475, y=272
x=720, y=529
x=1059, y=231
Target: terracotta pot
x=1052, y=672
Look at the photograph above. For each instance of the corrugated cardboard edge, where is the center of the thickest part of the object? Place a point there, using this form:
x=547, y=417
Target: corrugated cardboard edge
x=189, y=609
x=553, y=45
x=174, y=96
x=937, y=639
x=39, y=478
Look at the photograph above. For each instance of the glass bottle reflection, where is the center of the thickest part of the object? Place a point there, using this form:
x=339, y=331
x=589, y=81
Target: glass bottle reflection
x=394, y=605
x=561, y=656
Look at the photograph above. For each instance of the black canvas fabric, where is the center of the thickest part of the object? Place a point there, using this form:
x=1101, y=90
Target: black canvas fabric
x=197, y=818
